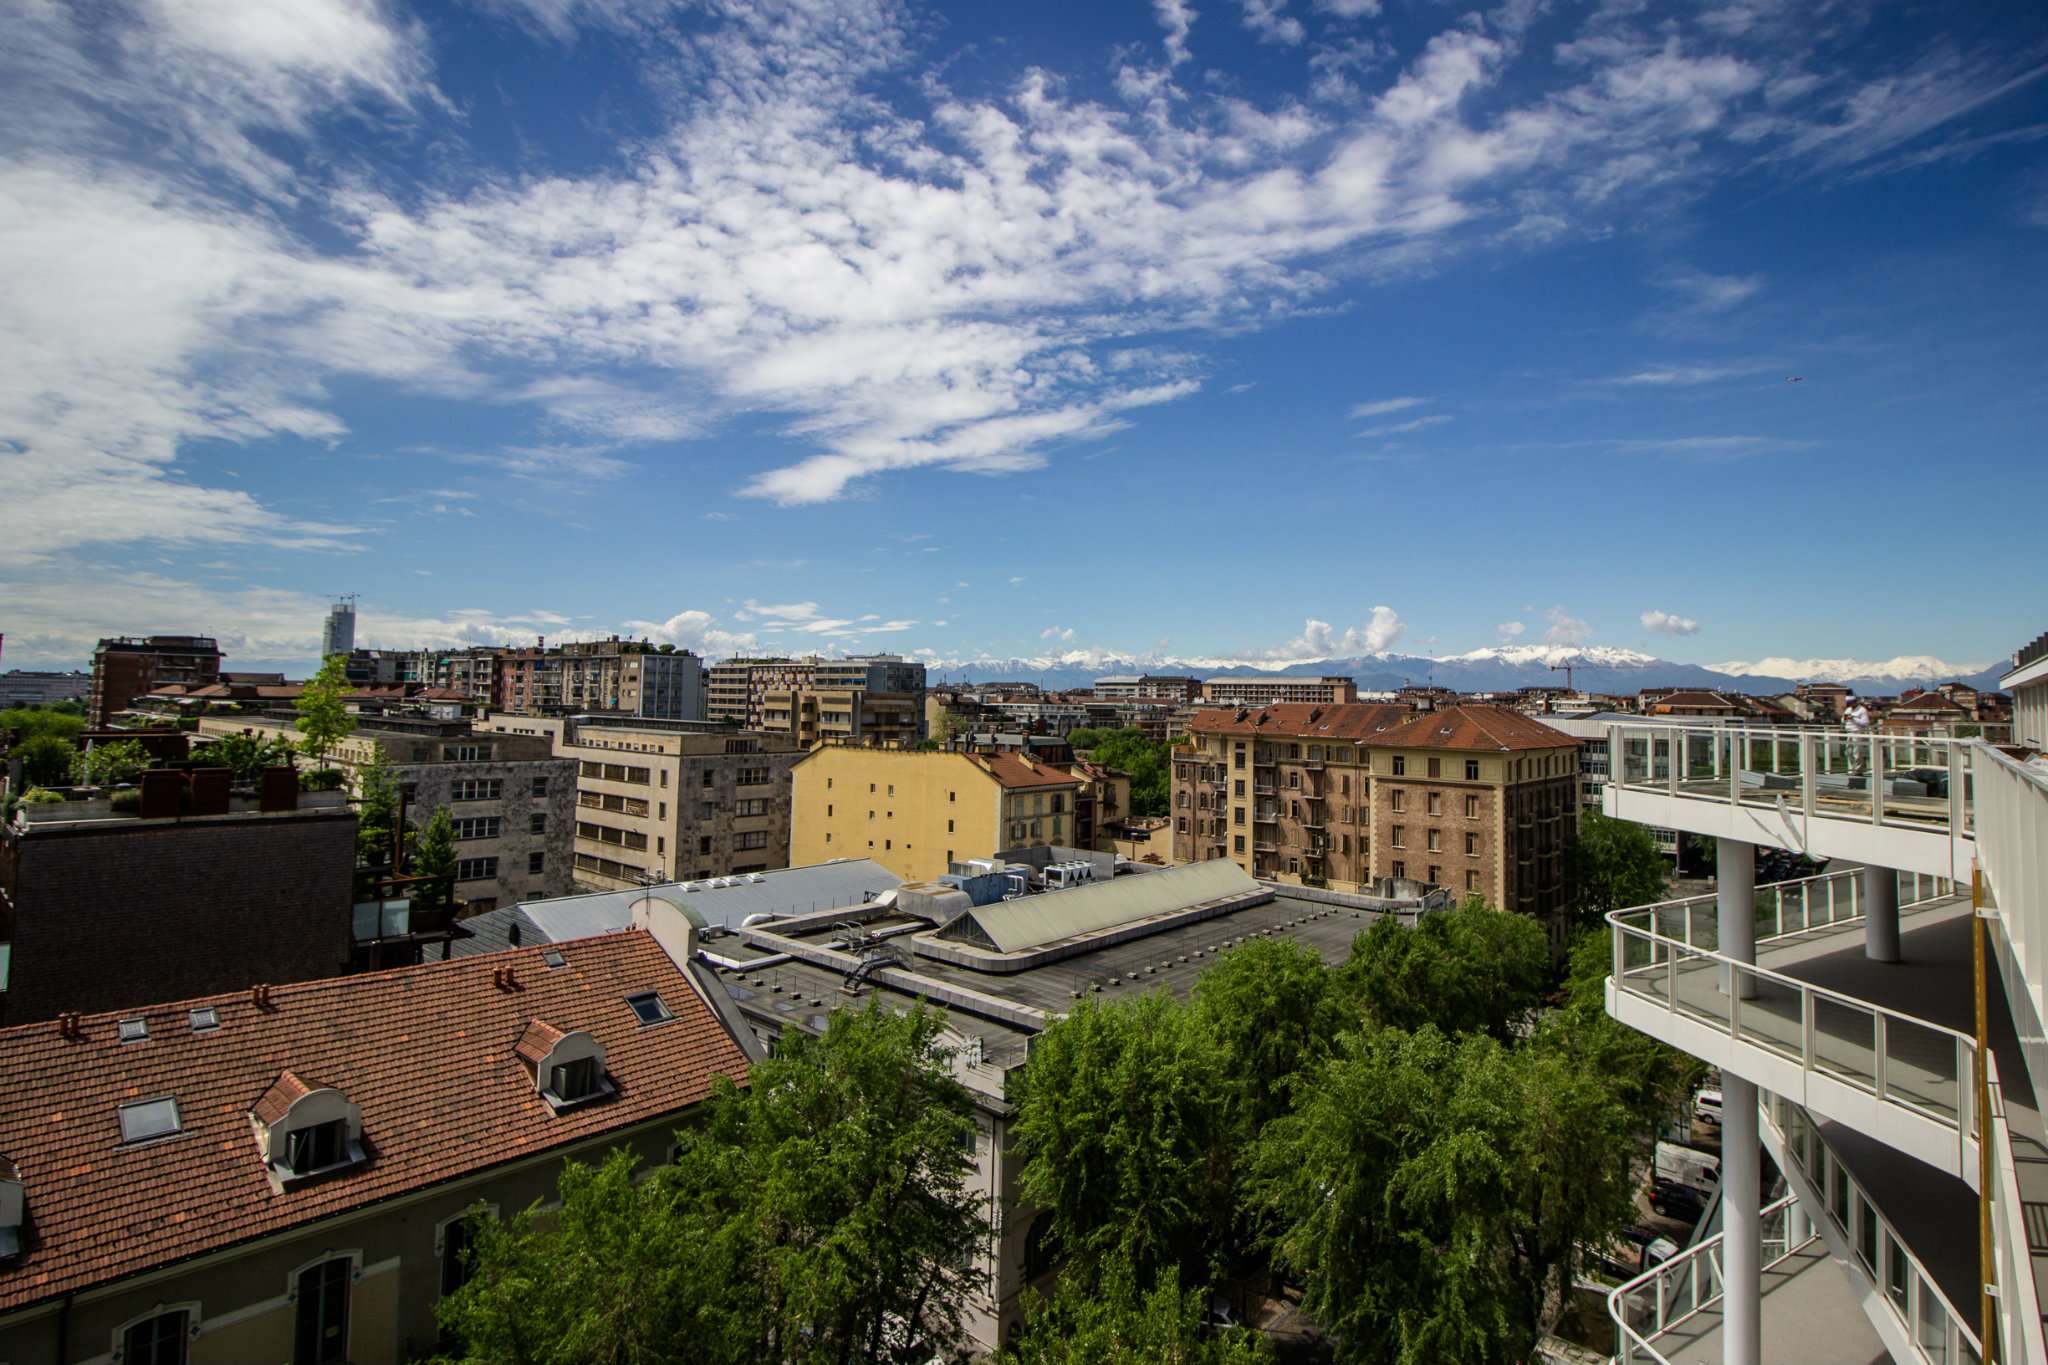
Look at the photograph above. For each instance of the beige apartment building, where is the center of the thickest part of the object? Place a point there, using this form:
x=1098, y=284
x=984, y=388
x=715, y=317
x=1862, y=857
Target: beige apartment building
x=511, y=798
x=844, y=715
x=1275, y=691
x=660, y=801
x=917, y=812
x=1477, y=799
x=739, y=691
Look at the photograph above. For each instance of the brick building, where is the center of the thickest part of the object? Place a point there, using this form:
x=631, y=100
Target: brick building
x=127, y=667
x=1477, y=799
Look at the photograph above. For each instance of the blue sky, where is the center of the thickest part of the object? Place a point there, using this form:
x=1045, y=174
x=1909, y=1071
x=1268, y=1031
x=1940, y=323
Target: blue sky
x=1209, y=329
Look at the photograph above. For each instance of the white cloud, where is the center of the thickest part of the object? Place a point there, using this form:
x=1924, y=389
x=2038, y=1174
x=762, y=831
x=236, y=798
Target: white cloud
x=1667, y=623
x=1268, y=20
x=1350, y=9
x=1015, y=579
x=1510, y=630
x=1565, y=629
x=1057, y=633
x=1709, y=293
x=1687, y=375
x=956, y=280
x=1321, y=640
x=1381, y=407
x=1435, y=419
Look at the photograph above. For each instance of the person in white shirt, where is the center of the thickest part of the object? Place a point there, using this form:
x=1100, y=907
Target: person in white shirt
x=1856, y=720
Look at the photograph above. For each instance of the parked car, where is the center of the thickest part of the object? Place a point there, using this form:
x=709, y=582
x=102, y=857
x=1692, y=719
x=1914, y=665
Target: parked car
x=1680, y=1202
x=1688, y=1166
x=1657, y=1251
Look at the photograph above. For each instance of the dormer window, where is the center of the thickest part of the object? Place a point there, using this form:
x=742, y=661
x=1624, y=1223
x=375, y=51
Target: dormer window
x=567, y=1068
x=305, y=1130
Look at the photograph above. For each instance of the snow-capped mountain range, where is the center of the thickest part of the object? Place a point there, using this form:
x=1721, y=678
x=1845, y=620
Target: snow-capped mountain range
x=1596, y=668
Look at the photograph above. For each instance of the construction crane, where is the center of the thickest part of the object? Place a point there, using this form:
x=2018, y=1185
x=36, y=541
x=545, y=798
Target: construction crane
x=1566, y=669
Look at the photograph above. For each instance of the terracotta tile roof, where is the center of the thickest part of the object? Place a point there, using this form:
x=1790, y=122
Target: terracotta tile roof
x=1928, y=701
x=1474, y=727
x=426, y=1052
x=278, y=1100
x=538, y=1041
x=1303, y=720
x=1013, y=771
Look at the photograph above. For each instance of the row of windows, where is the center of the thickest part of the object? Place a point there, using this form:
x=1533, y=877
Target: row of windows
x=605, y=834
x=606, y=867
x=1435, y=840
x=618, y=772
x=478, y=827
x=620, y=805
x=477, y=789
x=476, y=870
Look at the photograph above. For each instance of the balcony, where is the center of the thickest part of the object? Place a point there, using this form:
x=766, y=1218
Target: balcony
x=1671, y=1314
x=1893, y=800
x=1814, y=1019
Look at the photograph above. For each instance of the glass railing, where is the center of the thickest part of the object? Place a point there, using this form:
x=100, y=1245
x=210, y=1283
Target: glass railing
x=1667, y=954
x=2019, y=1297
x=1918, y=1307
x=1902, y=780
x=1671, y=1294
x=2012, y=847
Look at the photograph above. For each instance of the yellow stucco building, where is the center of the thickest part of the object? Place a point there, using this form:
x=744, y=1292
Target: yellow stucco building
x=916, y=812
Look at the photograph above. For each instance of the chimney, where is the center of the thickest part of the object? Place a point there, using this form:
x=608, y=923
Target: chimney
x=67, y=1024
x=210, y=790
x=259, y=996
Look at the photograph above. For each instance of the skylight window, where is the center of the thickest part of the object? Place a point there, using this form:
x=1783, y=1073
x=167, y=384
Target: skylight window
x=134, y=1030
x=553, y=957
x=651, y=1008
x=147, y=1119
x=205, y=1019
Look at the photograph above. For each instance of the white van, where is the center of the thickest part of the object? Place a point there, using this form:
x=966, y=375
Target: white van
x=1688, y=1166
x=1706, y=1106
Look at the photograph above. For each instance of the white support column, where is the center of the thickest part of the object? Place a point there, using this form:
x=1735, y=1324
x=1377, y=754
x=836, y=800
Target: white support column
x=1735, y=907
x=1742, y=1221
x=1880, y=914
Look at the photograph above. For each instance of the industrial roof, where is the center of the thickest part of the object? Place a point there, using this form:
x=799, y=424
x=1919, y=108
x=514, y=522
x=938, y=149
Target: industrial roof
x=1014, y=926
x=785, y=891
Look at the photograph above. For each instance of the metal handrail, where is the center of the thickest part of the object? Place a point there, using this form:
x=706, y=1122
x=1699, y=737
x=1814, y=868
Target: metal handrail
x=1883, y=1018
x=2019, y=1299
x=1919, y=1283
x=1941, y=888
x=1634, y=1345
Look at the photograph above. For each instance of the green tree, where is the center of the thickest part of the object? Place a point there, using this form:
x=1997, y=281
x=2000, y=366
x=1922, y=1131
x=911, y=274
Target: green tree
x=1147, y=761
x=376, y=807
x=433, y=858
x=247, y=755
x=47, y=760
x=27, y=722
x=1107, y=1320
x=821, y=1214
x=1612, y=865
x=1124, y=1128
x=1651, y=1081
x=1273, y=1008
x=112, y=763
x=1472, y=969
x=1432, y=1190
x=324, y=719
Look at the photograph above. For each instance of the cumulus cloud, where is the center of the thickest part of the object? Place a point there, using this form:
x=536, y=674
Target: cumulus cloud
x=1061, y=633
x=1510, y=630
x=1669, y=623
x=1321, y=640
x=1565, y=628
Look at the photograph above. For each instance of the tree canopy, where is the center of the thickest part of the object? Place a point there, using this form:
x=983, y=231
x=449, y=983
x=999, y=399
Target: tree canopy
x=28, y=722
x=247, y=755
x=1146, y=760
x=1469, y=969
x=47, y=759
x=1109, y=1320
x=433, y=857
x=376, y=807
x=820, y=1214
x=112, y=763
x=324, y=718
x=1612, y=865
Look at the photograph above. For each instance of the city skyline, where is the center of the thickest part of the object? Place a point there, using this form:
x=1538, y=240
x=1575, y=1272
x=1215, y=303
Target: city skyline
x=570, y=319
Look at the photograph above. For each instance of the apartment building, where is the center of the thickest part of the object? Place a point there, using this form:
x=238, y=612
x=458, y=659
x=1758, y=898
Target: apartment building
x=1476, y=799
x=1898, y=1217
x=660, y=800
x=282, y=1173
x=127, y=667
x=511, y=797
x=19, y=686
x=843, y=715
x=1102, y=801
x=1276, y=691
x=1173, y=687
x=738, y=690
x=916, y=812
